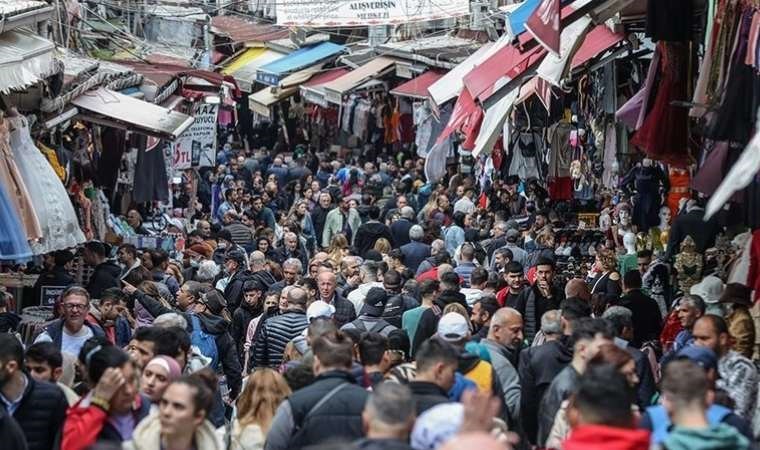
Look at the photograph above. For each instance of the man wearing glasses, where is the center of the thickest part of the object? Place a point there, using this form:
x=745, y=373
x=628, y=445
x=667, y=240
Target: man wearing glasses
x=71, y=331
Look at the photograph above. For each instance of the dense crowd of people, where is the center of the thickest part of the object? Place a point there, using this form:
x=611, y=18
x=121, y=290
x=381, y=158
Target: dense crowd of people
x=329, y=304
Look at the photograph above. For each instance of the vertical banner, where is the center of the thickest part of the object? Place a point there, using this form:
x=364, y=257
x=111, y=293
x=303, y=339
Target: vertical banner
x=196, y=147
x=544, y=25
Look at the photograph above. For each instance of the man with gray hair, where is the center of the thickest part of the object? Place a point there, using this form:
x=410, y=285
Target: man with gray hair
x=291, y=248
x=415, y=251
x=292, y=269
x=505, y=337
x=621, y=319
x=388, y=418
x=551, y=328
x=438, y=255
x=400, y=228
x=258, y=265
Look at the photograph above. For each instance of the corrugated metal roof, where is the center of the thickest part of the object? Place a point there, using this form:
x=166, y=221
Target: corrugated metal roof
x=13, y=7
x=239, y=30
x=105, y=104
x=170, y=12
x=302, y=58
x=25, y=59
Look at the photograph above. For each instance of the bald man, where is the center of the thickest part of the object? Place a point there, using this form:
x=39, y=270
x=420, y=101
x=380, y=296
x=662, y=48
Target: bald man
x=577, y=288
x=344, y=309
x=505, y=338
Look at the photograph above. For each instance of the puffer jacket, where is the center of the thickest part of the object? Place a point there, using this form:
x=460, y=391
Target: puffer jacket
x=275, y=334
x=240, y=320
x=11, y=434
x=396, y=306
x=40, y=414
x=560, y=389
x=338, y=419
x=147, y=436
x=741, y=327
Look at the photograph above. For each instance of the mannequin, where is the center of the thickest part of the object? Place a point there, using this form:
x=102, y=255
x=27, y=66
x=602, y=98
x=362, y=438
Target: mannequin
x=627, y=261
x=679, y=188
x=605, y=221
x=648, y=181
x=688, y=264
x=623, y=224
x=659, y=234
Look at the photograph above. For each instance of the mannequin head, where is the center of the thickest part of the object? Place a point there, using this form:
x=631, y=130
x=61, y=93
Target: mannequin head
x=624, y=217
x=664, y=217
x=646, y=162
x=629, y=242
x=605, y=221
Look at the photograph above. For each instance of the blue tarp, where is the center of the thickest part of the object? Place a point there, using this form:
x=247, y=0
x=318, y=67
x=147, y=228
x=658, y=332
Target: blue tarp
x=517, y=18
x=273, y=72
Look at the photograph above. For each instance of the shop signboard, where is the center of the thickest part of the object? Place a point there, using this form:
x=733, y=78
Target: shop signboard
x=51, y=294
x=196, y=147
x=328, y=13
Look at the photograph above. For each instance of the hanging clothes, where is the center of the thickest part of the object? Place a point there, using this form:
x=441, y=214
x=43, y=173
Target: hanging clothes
x=647, y=182
x=669, y=20
x=526, y=152
x=13, y=182
x=680, y=180
x=13, y=241
x=151, y=171
x=664, y=134
x=58, y=221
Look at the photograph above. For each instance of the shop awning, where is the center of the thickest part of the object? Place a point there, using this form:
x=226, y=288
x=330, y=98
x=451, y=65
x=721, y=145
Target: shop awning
x=597, y=41
x=418, y=87
x=244, y=67
x=450, y=85
x=239, y=30
x=261, y=101
x=23, y=13
x=504, y=65
x=515, y=20
x=313, y=91
x=109, y=108
x=25, y=59
x=273, y=72
x=334, y=90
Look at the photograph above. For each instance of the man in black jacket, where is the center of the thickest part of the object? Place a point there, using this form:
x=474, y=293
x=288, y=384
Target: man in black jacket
x=278, y=331
x=437, y=363
x=330, y=408
x=397, y=303
x=291, y=248
x=540, y=365
x=106, y=274
x=543, y=296
x=692, y=224
x=235, y=266
x=251, y=307
x=400, y=228
x=428, y=324
x=54, y=279
x=388, y=418
x=344, y=309
x=369, y=232
x=39, y=408
x=647, y=321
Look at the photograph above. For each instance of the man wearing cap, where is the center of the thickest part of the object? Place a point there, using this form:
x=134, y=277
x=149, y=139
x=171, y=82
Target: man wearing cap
x=736, y=300
x=370, y=316
x=737, y=374
x=106, y=274
x=193, y=257
x=657, y=418
x=56, y=277
x=251, y=308
x=235, y=268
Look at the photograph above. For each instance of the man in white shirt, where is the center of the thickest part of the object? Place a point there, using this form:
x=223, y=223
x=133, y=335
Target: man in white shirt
x=71, y=331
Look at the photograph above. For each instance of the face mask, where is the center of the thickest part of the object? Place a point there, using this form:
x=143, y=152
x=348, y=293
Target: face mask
x=195, y=263
x=222, y=245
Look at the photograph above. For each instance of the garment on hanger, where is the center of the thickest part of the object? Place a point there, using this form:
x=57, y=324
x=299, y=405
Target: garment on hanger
x=151, y=171
x=526, y=150
x=58, y=221
x=647, y=182
x=679, y=188
x=13, y=182
x=13, y=240
x=664, y=133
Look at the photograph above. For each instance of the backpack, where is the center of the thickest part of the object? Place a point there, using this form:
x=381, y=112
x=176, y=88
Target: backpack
x=378, y=327
x=205, y=342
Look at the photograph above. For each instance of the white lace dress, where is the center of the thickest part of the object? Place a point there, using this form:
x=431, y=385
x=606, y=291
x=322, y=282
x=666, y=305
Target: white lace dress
x=58, y=221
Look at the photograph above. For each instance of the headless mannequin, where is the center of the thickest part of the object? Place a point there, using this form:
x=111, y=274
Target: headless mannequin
x=627, y=262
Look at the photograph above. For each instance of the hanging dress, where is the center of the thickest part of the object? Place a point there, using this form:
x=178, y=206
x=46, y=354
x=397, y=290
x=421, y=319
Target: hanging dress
x=58, y=221
x=13, y=241
x=15, y=188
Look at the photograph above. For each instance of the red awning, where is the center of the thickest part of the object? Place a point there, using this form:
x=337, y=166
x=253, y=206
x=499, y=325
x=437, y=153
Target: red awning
x=598, y=40
x=326, y=76
x=465, y=111
x=417, y=87
x=508, y=63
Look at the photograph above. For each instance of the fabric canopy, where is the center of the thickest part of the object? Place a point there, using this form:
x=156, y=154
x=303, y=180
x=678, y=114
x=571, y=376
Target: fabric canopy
x=417, y=87
x=244, y=67
x=493, y=121
x=313, y=90
x=597, y=41
x=302, y=58
x=335, y=89
x=106, y=107
x=504, y=65
x=515, y=20
x=261, y=101
x=25, y=59
x=449, y=86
